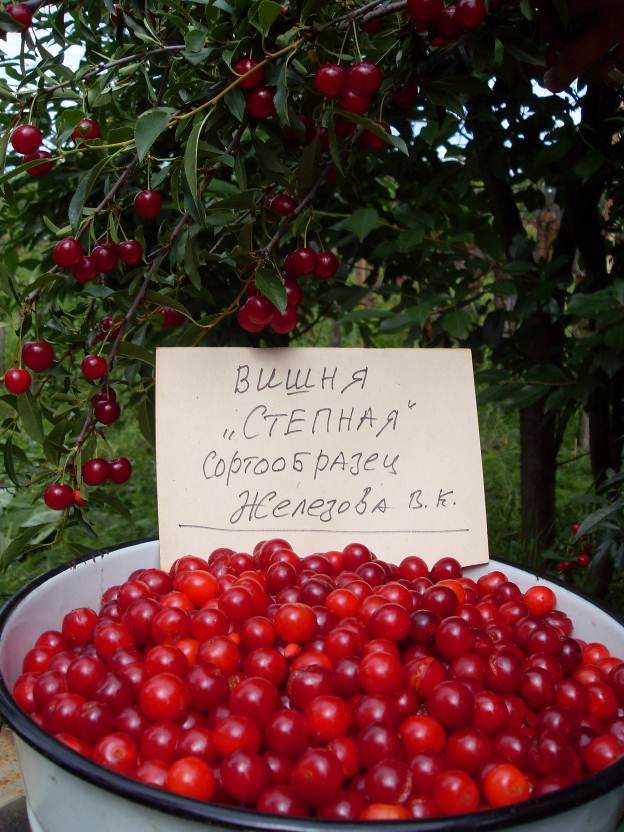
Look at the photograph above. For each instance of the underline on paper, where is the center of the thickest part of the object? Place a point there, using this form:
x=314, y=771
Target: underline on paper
x=325, y=531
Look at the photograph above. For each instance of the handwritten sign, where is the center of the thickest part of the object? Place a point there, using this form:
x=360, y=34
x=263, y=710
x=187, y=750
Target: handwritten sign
x=321, y=446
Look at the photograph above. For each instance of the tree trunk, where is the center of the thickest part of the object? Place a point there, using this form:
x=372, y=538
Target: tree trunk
x=537, y=478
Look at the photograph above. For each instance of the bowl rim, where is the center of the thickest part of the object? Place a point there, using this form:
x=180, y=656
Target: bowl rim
x=233, y=818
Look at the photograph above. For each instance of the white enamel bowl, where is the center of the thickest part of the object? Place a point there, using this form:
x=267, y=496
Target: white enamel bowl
x=66, y=793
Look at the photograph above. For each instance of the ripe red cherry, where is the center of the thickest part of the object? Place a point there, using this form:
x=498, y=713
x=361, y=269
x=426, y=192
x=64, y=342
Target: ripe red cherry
x=451, y=703
x=245, y=322
x=260, y=310
x=191, y=777
x=380, y=673
x=326, y=265
x=353, y=103
x=295, y=622
x=602, y=751
x=260, y=103
x=67, y=252
x=364, y=78
x=300, y=263
x=58, y=497
x=236, y=733
x=107, y=412
x=38, y=355
x=119, y=470
x=95, y=471
x=470, y=13
x=164, y=698
x=446, y=23
x=330, y=80
x=328, y=718
x=455, y=792
x=17, y=381
x=284, y=322
x=116, y=751
x=171, y=317
x=283, y=204
x=371, y=141
x=454, y=638
x=105, y=256
x=244, y=776
x=254, y=79
x=86, y=130
x=85, y=269
x=21, y=14
x=317, y=776
x=424, y=10
x=505, y=784
x=130, y=252
x=26, y=139
x=94, y=367
x=148, y=203
x=44, y=167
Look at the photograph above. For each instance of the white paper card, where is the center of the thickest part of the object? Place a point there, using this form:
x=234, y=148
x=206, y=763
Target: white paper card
x=321, y=446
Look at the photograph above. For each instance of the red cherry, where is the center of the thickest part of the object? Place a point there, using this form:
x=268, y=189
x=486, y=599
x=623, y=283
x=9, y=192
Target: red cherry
x=245, y=321
x=424, y=10
x=255, y=79
x=38, y=355
x=300, y=263
x=67, y=252
x=86, y=130
x=119, y=470
x=353, y=103
x=326, y=265
x=260, y=310
x=148, y=203
x=191, y=777
x=85, y=269
x=372, y=141
x=283, y=204
x=470, y=13
x=105, y=256
x=26, y=139
x=43, y=168
x=107, y=412
x=94, y=367
x=317, y=776
x=330, y=80
x=116, y=751
x=407, y=96
x=95, y=471
x=364, y=78
x=21, y=14
x=260, y=103
x=294, y=292
x=58, y=497
x=372, y=27
x=284, y=322
x=130, y=252
x=583, y=559
x=17, y=381
x=447, y=24
x=171, y=317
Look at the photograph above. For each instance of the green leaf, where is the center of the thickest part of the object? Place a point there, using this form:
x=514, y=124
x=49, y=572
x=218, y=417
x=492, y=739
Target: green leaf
x=19, y=545
x=281, y=95
x=190, y=157
x=362, y=222
x=137, y=352
x=235, y=102
x=81, y=193
x=457, y=323
x=160, y=299
x=146, y=421
x=271, y=286
x=9, y=465
x=30, y=416
x=149, y=126
x=268, y=13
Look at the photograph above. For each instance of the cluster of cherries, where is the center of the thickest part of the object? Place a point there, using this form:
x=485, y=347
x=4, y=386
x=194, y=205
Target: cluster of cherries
x=334, y=685
x=446, y=23
x=94, y=472
x=258, y=312
x=583, y=557
x=260, y=102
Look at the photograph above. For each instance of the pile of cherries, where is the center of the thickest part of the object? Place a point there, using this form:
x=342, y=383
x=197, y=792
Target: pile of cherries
x=334, y=685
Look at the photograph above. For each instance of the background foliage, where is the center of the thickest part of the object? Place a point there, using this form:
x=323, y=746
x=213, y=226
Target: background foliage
x=491, y=219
